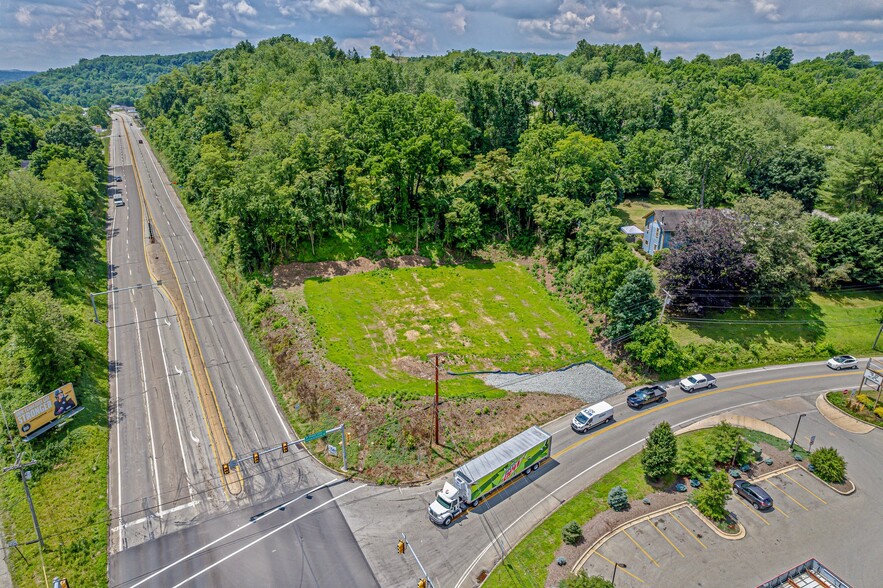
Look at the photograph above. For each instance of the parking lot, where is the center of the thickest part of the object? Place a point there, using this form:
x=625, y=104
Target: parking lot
x=678, y=548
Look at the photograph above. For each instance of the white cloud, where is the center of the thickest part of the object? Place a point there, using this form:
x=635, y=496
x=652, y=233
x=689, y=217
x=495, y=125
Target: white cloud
x=170, y=19
x=572, y=19
x=456, y=19
x=766, y=9
x=23, y=15
x=360, y=7
x=241, y=8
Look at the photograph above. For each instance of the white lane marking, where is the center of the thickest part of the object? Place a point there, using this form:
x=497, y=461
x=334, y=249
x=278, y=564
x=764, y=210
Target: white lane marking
x=195, y=439
x=214, y=281
x=147, y=402
x=270, y=534
x=556, y=490
x=190, y=504
x=116, y=393
x=233, y=532
x=174, y=410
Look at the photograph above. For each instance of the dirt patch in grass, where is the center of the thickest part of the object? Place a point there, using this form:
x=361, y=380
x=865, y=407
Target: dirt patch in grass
x=295, y=274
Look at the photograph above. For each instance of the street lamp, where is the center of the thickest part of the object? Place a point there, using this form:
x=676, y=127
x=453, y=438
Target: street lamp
x=791, y=445
x=616, y=565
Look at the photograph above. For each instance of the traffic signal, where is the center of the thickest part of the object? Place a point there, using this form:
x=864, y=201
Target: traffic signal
x=226, y=469
x=421, y=583
x=285, y=447
x=401, y=546
x=256, y=457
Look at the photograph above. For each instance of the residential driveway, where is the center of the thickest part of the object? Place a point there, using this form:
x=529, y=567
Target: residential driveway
x=808, y=519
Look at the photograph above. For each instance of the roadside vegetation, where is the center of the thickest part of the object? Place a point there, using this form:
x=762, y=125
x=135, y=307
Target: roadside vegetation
x=864, y=407
x=52, y=253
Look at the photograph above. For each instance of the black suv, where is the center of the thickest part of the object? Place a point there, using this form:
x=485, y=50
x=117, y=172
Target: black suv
x=645, y=396
x=756, y=495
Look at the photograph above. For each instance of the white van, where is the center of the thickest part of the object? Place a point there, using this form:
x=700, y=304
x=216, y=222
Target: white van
x=591, y=417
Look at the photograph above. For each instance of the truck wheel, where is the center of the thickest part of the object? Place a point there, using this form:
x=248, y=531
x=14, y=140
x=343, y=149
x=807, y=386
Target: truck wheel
x=535, y=467
x=660, y=399
x=475, y=502
x=446, y=522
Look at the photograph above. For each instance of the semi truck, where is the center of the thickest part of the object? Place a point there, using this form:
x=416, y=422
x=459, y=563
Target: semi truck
x=474, y=480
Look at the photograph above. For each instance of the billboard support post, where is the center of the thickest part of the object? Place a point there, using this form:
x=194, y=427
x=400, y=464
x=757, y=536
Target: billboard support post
x=20, y=467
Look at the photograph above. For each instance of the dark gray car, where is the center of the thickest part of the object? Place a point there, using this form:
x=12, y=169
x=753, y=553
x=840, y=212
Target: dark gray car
x=754, y=494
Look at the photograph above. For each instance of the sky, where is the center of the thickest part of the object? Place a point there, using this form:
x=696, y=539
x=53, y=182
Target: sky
x=42, y=34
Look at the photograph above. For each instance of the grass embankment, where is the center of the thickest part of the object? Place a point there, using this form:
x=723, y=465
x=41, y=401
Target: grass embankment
x=380, y=326
x=69, y=480
x=816, y=328
x=528, y=561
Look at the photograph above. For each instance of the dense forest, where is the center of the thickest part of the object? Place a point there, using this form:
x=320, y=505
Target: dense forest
x=289, y=143
x=52, y=222
x=287, y=148
x=109, y=79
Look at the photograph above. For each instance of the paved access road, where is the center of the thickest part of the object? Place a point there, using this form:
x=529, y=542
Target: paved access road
x=457, y=556
x=176, y=518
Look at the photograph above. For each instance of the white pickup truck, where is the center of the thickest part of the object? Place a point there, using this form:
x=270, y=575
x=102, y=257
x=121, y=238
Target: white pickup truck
x=697, y=382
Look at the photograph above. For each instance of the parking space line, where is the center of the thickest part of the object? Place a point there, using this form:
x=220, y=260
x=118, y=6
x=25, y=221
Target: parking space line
x=771, y=483
x=691, y=533
x=779, y=510
x=804, y=487
x=641, y=548
x=624, y=571
x=753, y=511
x=664, y=536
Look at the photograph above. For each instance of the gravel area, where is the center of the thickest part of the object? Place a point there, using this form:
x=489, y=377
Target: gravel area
x=585, y=381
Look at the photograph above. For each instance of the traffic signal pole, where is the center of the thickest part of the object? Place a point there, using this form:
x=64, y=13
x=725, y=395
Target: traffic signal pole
x=426, y=578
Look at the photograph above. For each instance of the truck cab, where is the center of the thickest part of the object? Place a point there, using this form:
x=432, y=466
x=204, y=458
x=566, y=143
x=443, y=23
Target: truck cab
x=447, y=504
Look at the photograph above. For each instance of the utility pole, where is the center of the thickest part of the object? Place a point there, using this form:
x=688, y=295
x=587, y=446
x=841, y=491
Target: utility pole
x=665, y=302
x=20, y=467
x=436, y=356
x=877, y=338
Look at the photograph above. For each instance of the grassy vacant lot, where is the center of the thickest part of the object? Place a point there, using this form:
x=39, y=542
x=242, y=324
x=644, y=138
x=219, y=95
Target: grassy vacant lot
x=818, y=327
x=381, y=325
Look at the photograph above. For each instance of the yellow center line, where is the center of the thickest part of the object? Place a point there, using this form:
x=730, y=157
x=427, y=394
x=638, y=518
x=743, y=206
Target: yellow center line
x=804, y=487
x=773, y=484
x=692, y=396
x=664, y=536
x=624, y=571
x=641, y=548
x=753, y=511
x=691, y=533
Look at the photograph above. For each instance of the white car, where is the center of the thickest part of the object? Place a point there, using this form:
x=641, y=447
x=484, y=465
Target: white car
x=843, y=362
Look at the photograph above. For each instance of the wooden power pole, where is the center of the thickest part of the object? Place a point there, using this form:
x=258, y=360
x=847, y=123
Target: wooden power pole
x=435, y=429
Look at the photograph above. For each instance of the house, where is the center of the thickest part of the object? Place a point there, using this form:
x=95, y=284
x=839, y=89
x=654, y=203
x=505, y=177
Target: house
x=659, y=227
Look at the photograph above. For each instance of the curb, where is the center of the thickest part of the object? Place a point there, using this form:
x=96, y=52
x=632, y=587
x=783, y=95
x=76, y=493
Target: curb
x=840, y=492
x=734, y=537
x=628, y=524
x=823, y=398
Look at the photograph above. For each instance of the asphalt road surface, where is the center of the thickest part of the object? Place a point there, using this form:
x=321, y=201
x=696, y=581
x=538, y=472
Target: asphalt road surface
x=166, y=493
x=474, y=543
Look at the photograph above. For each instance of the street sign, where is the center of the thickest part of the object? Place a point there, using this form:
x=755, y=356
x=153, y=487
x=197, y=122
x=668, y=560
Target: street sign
x=873, y=377
x=332, y=450
x=315, y=436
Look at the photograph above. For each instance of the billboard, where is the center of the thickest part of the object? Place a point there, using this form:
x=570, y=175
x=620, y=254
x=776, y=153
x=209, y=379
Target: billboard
x=46, y=409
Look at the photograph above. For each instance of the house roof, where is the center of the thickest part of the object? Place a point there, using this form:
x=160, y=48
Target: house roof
x=669, y=218
x=631, y=230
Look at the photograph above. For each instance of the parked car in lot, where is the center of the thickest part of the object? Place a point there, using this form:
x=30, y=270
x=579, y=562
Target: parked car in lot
x=645, y=396
x=697, y=382
x=754, y=494
x=592, y=416
x=119, y=178
x=118, y=200
x=843, y=362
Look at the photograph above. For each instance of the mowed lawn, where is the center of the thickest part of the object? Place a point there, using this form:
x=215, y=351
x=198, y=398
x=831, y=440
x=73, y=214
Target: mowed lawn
x=816, y=328
x=381, y=325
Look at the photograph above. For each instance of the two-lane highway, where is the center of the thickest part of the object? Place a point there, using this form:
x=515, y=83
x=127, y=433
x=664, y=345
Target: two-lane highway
x=187, y=395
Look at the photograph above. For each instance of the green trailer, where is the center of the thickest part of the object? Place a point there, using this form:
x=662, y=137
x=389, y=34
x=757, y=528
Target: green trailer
x=487, y=472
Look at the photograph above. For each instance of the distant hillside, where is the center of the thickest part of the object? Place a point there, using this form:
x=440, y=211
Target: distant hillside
x=13, y=75
x=115, y=79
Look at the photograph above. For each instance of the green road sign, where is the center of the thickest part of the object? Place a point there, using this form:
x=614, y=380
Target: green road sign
x=315, y=436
